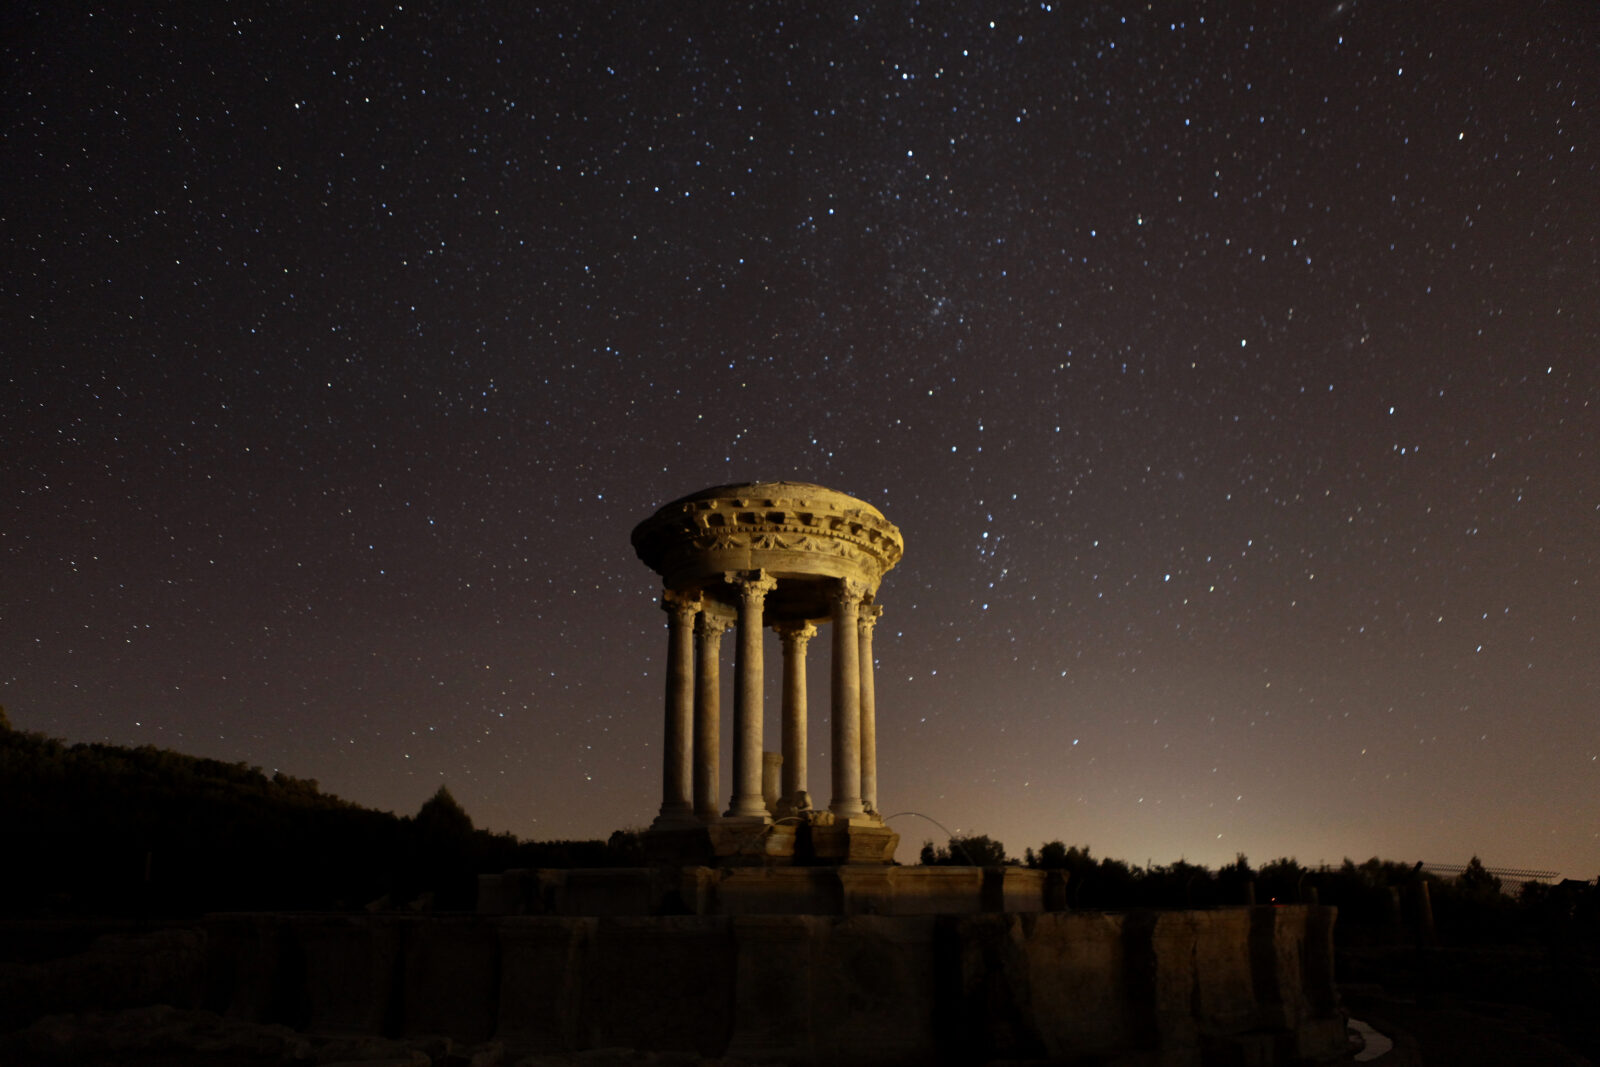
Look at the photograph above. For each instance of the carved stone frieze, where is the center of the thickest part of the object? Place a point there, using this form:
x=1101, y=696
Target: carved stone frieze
x=785, y=527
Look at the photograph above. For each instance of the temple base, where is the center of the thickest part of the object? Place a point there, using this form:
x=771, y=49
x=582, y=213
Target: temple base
x=862, y=840
x=816, y=838
x=823, y=889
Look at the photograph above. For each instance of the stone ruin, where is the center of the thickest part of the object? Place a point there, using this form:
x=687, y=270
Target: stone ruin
x=768, y=931
x=789, y=556
x=771, y=929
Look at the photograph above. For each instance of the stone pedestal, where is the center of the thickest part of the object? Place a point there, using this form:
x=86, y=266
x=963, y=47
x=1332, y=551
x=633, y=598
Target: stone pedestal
x=798, y=840
x=856, y=841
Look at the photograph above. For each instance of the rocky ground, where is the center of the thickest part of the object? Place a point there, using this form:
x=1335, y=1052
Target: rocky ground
x=1428, y=1034
x=1446, y=1032
x=92, y=1007
x=162, y=1036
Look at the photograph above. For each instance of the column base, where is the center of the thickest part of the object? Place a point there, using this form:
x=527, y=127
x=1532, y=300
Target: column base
x=729, y=842
x=815, y=839
x=748, y=807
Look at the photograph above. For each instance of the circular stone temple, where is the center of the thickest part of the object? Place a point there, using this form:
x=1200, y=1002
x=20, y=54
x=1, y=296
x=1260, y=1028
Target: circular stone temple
x=788, y=555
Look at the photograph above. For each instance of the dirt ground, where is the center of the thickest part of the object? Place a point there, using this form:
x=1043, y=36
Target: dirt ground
x=1442, y=1032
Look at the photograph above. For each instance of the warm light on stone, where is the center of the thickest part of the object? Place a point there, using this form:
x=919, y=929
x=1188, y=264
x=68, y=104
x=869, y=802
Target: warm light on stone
x=790, y=556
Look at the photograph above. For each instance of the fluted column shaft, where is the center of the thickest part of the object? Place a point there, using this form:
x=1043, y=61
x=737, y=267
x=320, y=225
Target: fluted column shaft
x=795, y=638
x=869, y=709
x=747, y=691
x=707, y=715
x=678, y=744
x=846, y=700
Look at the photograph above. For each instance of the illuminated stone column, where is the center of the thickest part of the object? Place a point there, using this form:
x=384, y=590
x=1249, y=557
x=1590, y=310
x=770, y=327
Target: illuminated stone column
x=747, y=800
x=846, y=599
x=707, y=714
x=869, y=709
x=795, y=637
x=678, y=747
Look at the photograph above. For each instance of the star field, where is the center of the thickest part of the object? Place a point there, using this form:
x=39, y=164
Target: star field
x=1232, y=373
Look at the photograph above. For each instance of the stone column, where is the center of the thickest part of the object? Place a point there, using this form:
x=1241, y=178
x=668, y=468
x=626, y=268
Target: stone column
x=678, y=748
x=747, y=690
x=795, y=638
x=707, y=714
x=846, y=598
x=869, y=709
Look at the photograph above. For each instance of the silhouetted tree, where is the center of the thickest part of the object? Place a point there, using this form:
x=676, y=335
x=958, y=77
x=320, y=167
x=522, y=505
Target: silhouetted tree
x=442, y=817
x=1475, y=881
x=978, y=850
x=1179, y=885
x=1280, y=882
x=1053, y=856
x=1234, y=880
x=624, y=849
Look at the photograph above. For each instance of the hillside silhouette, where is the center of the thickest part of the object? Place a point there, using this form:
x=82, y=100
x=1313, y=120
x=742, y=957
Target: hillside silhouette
x=108, y=830
x=103, y=831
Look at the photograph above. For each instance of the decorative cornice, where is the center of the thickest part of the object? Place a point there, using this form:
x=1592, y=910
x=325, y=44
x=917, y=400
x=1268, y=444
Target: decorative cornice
x=783, y=517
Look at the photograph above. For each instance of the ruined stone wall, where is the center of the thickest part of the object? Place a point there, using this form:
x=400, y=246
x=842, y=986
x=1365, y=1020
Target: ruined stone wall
x=1233, y=985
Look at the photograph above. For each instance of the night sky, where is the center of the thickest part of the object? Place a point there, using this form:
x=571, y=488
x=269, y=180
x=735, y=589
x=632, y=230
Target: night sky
x=1232, y=372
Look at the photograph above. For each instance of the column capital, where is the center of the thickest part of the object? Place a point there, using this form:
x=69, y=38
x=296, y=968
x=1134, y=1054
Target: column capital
x=847, y=591
x=868, y=617
x=674, y=601
x=753, y=585
x=795, y=634
x=708, y=625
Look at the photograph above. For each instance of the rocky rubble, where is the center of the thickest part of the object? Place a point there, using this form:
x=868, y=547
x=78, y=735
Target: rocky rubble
x=164, y=1036
x=118, y=970
x=144, y=1037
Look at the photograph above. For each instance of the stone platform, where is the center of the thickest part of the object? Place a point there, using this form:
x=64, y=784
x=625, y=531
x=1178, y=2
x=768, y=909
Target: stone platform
x=852, y=889
x=1227, y=986
x=1142, y=989
x=817, y=838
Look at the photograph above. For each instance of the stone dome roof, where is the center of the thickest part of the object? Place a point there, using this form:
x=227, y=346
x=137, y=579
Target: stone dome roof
x=802, y=534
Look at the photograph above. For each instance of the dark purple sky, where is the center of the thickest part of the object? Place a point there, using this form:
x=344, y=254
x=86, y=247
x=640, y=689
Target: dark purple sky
x=1232, y=371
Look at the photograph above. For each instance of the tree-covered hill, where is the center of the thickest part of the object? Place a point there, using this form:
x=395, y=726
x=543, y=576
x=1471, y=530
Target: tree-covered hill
x=103, y=829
